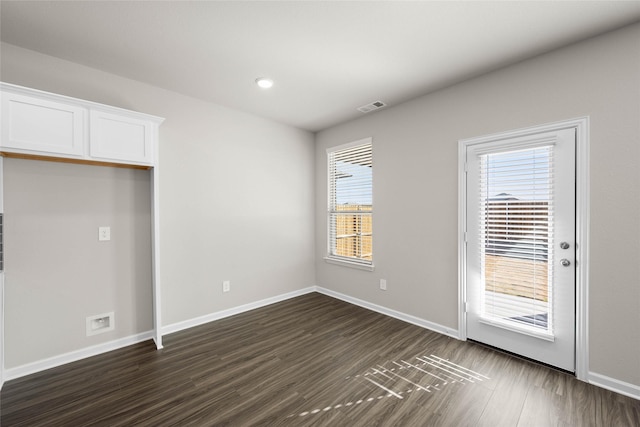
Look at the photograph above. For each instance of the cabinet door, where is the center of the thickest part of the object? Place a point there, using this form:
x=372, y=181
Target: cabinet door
x=120, y=138
x=38, y=126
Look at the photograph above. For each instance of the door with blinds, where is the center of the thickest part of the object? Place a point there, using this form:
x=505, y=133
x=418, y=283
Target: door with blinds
x=520, y=246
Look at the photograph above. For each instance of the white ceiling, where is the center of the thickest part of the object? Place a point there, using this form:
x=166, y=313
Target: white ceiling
x=326, y=57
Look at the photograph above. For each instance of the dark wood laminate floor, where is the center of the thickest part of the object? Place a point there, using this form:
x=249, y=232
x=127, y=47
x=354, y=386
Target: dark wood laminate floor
x=309, y=361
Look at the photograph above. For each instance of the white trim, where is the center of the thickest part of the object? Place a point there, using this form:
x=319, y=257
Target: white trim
x=581, y=124
x=2, y=371
x=21, y=90
x=627, y=389
x=462, y=241
x=352, y=264
x=599, y=380
x=73, y=356
x=583, y=218
x=363, y=141
x=155, y=254
x=63, y=359
x=534, y=141
x=197, y=321
x=528, y=131
x=389, y=312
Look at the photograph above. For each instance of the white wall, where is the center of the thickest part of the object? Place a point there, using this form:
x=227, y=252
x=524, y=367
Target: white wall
x=57, y=272
x=415, y=186
x=236, y=197
x=236, y=204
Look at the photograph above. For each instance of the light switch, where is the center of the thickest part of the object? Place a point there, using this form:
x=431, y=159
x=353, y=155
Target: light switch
x=104, y=233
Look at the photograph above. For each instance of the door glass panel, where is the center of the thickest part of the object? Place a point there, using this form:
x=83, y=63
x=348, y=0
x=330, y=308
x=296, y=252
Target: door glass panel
x=516, y=232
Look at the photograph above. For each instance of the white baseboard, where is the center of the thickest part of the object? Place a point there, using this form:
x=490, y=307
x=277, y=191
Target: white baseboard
x=617, y=386
x=621, y=387
x=392, y=313
x=73, y=356
x=52, y=362
x=175, y=327
x=612, y=384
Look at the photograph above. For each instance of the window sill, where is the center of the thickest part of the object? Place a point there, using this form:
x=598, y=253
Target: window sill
x=350, y=264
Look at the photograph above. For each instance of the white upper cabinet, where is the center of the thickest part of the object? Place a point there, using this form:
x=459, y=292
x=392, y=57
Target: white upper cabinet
x=40, y=126
x=115, y=137
x=36, y=123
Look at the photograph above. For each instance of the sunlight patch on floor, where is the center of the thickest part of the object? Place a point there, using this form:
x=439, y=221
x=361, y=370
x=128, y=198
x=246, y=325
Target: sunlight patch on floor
x=400, y=378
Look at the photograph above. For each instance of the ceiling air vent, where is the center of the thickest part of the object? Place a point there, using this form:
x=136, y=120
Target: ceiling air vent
x=373, y=106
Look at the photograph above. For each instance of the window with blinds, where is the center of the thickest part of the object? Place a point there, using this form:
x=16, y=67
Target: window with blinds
x=516, y=223
x=351, y=202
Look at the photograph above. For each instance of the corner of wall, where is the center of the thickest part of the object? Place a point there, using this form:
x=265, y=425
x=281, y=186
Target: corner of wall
x=624, y=388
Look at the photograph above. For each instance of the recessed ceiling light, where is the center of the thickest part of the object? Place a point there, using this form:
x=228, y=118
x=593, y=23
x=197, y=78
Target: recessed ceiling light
x=264, y=82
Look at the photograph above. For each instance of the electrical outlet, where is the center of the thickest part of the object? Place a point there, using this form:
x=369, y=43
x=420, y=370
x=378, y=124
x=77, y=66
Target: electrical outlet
x=104, y=233
x=226, y=286
x=383, y=284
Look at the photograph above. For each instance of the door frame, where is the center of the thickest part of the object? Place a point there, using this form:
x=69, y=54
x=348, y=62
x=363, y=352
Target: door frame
x=581, y=125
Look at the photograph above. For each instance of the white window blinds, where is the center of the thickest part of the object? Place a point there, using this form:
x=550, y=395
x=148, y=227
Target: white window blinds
x=351, y=202
x=516, y=191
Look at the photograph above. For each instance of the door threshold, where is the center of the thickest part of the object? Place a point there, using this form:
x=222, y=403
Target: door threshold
x=521, y=357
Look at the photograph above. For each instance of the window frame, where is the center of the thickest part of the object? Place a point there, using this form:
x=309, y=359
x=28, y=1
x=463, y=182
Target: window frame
x=330, y=258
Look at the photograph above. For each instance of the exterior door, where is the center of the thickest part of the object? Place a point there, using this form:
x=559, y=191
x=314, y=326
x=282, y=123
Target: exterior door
x=520, y=246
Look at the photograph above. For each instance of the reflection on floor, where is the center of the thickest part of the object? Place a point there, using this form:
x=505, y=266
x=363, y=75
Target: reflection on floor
x=398, y=378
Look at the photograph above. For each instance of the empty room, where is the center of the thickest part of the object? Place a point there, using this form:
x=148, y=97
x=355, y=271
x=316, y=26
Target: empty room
x=328, y=213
